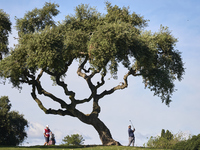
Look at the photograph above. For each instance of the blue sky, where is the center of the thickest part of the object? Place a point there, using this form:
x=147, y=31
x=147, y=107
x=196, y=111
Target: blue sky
x=148, y=114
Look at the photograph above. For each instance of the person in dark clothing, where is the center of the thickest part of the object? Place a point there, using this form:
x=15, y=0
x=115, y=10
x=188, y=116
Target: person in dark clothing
x=52, y=140
x=131, y=135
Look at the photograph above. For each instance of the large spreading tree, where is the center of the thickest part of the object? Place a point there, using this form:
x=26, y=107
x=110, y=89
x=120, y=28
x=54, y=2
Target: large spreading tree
x=101, y=43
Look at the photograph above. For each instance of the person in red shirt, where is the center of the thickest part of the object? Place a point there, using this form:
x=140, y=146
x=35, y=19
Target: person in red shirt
x=47, y=133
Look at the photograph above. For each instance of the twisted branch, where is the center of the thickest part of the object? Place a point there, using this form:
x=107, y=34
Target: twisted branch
x=118, y=87
x=36, y=85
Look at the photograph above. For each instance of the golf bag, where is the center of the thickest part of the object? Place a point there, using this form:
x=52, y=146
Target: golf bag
x=52, y=140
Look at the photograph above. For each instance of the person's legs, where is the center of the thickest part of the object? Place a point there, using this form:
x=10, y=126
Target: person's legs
x=130, y=140
x=46, y=140
x=133, y=141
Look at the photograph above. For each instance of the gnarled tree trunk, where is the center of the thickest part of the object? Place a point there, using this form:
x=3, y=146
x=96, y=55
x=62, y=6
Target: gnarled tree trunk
x=104, y=133
x=100, y=127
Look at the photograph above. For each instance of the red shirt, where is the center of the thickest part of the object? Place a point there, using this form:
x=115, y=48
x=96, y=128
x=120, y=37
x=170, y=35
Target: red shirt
x=47, y=132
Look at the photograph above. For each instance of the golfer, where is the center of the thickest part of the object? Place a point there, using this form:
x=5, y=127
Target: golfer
x=131, y=135
x=47, y=133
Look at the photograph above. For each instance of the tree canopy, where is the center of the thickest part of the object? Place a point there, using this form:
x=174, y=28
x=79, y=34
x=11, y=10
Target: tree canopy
x=101, y=43
x=12, y=124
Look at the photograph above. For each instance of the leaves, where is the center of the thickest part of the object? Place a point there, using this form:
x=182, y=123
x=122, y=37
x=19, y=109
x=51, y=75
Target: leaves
x=105, y=41
x=110, y=44
x=37, y=19
x=5, y=29
x=74, y=139
x=12, y=124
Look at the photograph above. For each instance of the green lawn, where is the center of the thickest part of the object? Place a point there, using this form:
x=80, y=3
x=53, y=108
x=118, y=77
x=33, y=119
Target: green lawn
x=76, y=148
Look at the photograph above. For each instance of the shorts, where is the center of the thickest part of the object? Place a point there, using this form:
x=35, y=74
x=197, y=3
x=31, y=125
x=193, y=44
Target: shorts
x=46, y=139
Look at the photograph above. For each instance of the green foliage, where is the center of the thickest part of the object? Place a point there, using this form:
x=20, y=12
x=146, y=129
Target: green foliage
x=5, y=29
x=192, y=143
x=167, y=140
x=117, y=15
x=163, y=133
x=12, y=124
x=37, y=19
x=168, y=135
x=74, y=139
x=105, y=41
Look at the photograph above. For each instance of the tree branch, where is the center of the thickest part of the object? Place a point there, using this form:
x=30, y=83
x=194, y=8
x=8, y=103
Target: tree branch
x=41, y=106
x=85, y=76
x=102, y=81
x=81, y=67
x=64, y=86
x=119, y=87
x=37, y=100
x=49, y=111
x=36, y=84
x=59, y=112
x=84, y=100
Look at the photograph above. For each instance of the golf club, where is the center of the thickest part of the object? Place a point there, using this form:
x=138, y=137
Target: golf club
x=132, y=124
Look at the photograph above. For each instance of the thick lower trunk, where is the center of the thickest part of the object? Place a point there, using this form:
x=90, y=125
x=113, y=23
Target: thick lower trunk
x=104, y=133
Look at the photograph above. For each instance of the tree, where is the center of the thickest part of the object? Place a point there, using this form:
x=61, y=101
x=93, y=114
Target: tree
x=74, y=139
x=163, y=133
x=5, y=29
x=101, y=43
x=167, y=140
x=12, y=124
x=193, y=143
x=167, y=135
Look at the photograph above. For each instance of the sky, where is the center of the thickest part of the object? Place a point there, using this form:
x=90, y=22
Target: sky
x=147, y=112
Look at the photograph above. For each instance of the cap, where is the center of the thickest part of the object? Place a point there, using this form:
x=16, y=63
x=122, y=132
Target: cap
x=47, y=126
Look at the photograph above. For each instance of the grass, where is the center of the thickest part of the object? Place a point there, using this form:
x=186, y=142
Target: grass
x=77, y=148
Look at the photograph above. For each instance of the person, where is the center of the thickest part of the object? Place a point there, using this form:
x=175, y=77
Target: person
x=47, y=133
x=131, y=135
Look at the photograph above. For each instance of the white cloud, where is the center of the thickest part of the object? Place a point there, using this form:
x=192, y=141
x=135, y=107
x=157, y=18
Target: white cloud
x=35, y=134
x=35, y=130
